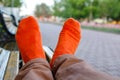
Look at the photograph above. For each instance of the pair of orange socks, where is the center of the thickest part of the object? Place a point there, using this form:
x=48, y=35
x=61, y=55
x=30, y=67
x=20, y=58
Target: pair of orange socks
x=29, y=40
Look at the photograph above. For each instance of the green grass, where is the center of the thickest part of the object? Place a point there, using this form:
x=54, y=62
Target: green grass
x=110, y=30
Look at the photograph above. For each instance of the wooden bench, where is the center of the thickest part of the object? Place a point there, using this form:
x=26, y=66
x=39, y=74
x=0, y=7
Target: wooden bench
x=9, y=62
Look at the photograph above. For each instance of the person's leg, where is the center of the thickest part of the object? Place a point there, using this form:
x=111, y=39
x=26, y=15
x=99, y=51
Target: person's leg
x=68, y=67
x=65, y=65
x=29, y=42
x=68, y=40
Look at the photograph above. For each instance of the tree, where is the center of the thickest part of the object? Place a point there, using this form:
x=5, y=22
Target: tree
x=42, y=10
x=69, y=8
x=87, y=8
x=8, y=3
x=109, y=9
x=74, y=8
x=114, y=9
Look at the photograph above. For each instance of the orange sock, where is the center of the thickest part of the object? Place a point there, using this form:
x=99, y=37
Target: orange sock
x=68, y=40
x=28, y=38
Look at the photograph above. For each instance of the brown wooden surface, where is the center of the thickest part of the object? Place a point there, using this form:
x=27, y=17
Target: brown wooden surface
x=4, y=58
x=11, y=46
x=12, y=68
x=0, y=50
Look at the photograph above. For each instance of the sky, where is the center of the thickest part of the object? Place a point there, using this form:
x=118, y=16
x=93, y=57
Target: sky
x=28, y=6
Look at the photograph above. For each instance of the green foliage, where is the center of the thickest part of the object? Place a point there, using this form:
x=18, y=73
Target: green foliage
x=110, y=9
x=74, y=8
x=86, y=8
x=8, y=3
x=70, y=8
x=42, y=10
x=114, y=9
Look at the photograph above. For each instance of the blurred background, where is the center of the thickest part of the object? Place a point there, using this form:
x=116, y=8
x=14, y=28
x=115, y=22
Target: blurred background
x=86, y=11
x=100, y=23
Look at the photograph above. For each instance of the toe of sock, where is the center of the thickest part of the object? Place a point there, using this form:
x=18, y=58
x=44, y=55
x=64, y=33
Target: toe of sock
x=72, y=23
x=27, y=22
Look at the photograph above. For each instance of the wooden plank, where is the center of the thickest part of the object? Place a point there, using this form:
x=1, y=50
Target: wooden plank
x=4, y=56
x=12, y=46
x=0, y=50
x=13, y=66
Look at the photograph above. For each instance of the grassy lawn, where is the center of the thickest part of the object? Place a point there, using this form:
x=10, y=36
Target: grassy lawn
x=110, y=30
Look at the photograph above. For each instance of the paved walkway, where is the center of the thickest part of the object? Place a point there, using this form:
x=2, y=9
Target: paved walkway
x=101, y=50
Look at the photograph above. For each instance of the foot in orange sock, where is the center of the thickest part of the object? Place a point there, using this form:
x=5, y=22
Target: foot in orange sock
x=68, y=40
x=29, y=41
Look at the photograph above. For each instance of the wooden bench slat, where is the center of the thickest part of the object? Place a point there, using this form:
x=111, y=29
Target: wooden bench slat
x=0, y=50
x=12, y=63
x=4, y=57
x=13, y=67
